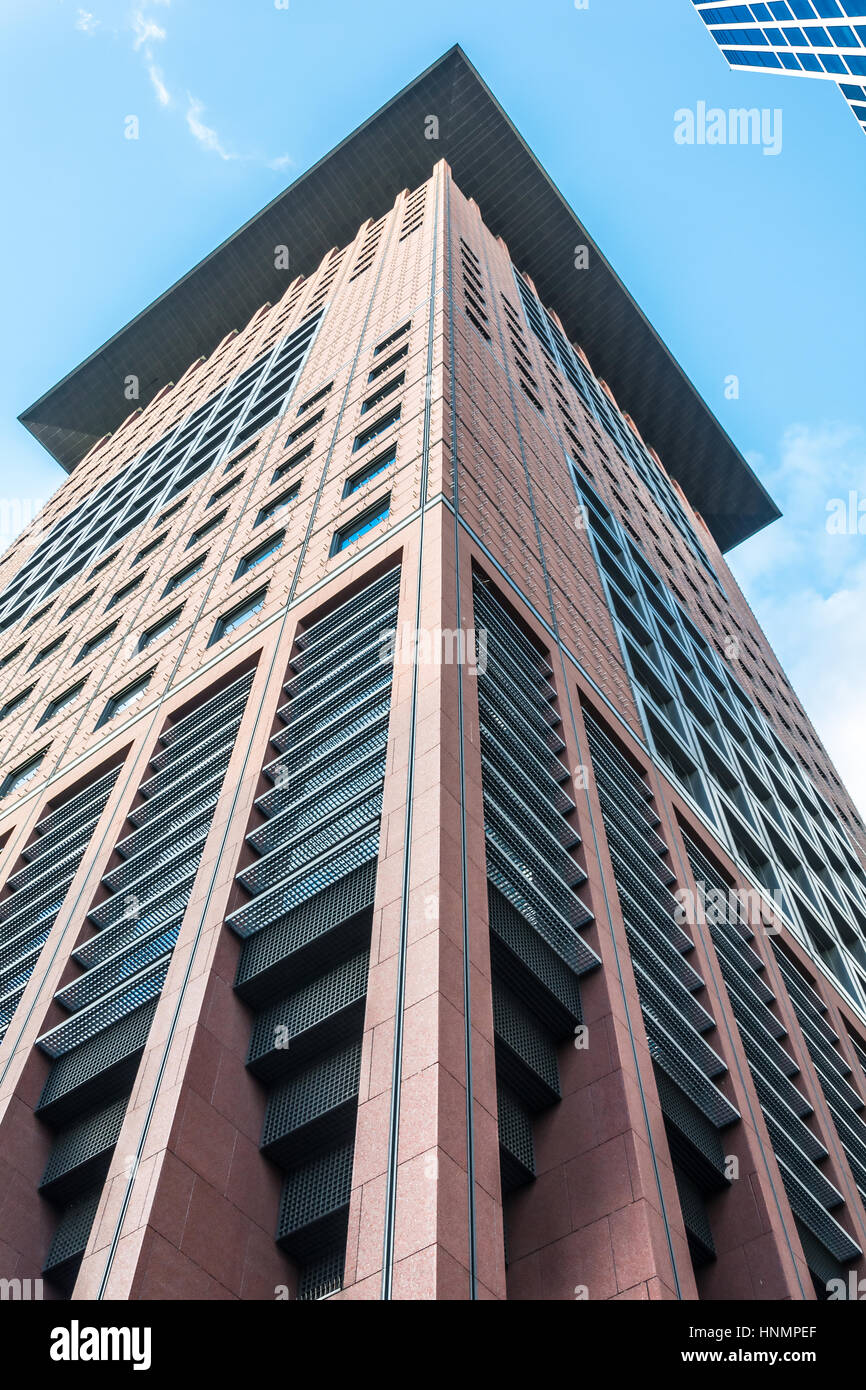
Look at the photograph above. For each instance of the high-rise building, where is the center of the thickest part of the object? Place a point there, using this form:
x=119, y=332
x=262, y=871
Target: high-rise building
x=809, y=38
x=420, y=880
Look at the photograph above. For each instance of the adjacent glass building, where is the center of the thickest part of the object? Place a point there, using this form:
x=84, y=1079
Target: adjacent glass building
x=811, y=38
x=419, y=878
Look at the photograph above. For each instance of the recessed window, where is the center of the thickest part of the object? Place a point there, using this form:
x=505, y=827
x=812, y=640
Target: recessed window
x=16, y=702
x=79, y=603
x=279, y=504
x=48, y=651
x=360, y=525
x=201, y=531
x=228, y=622
x=37, y=616
x=159, y=629
x=392, y=338
x=124, y=698
x=104, y=563
x=310, y=424
x=92, y=643
x=62, y=701
x=261, y=553
x=226, y=487
x=10, y=656
x=389, y=362
x=124, y=592
x=183, y=575
x=150, y=548
x=370, y=470
x=21, y=775
x=384, y=391
x=292, y=462
x=239, y=458
x=172, y=510
x=311, y=400
x=378, y=427
x=477, y=324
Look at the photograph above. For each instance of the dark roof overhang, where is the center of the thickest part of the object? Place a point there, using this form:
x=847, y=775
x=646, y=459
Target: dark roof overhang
x=360, y=178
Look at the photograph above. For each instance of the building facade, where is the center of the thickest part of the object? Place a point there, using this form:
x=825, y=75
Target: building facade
x=809, y=38
x=420, y=880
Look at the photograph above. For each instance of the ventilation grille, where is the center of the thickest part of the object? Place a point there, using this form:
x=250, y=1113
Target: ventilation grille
x=38, y=889
x=110, y=1006
x=798, y=1152
x=535, y=911
x=687, y=1068
x=306, y=922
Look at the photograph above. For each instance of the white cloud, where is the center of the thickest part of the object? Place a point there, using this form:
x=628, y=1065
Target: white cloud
x=163, y=95
x=808, y=586
x=147, y=31
x=205, y=135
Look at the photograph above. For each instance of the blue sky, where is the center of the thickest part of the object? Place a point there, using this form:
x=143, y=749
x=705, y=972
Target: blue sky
x=746, y=264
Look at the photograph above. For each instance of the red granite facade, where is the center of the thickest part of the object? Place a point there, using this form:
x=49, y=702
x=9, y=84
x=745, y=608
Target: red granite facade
x=480, y=494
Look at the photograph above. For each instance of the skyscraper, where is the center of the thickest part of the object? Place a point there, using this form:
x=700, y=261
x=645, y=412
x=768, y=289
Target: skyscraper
x=420, y=879
x=809, y=38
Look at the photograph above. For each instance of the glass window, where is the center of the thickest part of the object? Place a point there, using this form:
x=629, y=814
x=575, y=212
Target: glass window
x=228, y=622
x=370, y=470
x=226, y=487
x=61, y=702
x=183, y=575
x=360, y=525
x=149, y=549
x=22, y=775
x=124, y=592
x=79, y=603
x=159, y=629
x=311, y=400
x=378, y=396
x=261, y=553
x=47, y=651
x=16, y=702
x=292, y=462
x=93, y=642
x=204, y=530
x=843, y=37
x=392, y=338
x=279, y=504
x=125, y=698
x=373, y=431
x=389, y=362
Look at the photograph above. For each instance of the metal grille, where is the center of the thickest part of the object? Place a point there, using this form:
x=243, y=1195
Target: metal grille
x=313, y=1107
x=831, y=1068
x=100, y=1066
x=71, y=1235
x=537, y=953
x=314, y=1194
x=40, y=887
x=306, y=926
x=96, y=1050
x=81, y=1146
x=516, y=1147
x=530, y=968
x=695, y=1219
x=656, y=939
x=322, y=1276
x=278, y=953
x=314, y=1016
x=798, y=1151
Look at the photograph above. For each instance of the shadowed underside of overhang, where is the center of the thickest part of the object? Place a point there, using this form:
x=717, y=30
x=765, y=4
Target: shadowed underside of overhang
x=360, y=179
